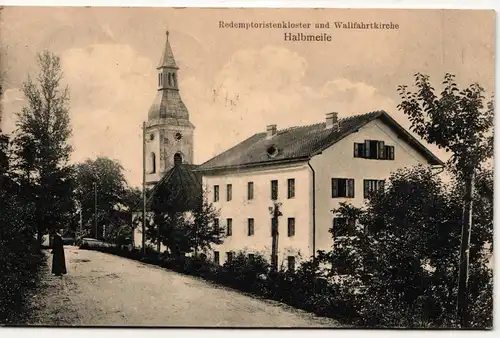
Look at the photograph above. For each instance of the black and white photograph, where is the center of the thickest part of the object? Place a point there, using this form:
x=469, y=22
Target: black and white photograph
x=189, y=167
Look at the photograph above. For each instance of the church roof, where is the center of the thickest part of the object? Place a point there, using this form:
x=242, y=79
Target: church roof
x=167, y=58
x=169, y=104
x=302, y=142
x=180, y=189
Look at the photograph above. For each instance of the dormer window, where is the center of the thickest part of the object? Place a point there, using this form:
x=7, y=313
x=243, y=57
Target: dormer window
x=272, y=151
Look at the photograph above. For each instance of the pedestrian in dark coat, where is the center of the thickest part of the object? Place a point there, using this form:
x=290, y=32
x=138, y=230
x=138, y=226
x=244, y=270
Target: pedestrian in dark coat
x=58, y=260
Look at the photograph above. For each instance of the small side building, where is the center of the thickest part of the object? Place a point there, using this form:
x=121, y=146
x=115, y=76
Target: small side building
x=180, y=190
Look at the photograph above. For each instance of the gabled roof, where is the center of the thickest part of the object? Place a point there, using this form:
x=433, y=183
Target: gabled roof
x=167, y=58
x=302, y=142
x=180, y=189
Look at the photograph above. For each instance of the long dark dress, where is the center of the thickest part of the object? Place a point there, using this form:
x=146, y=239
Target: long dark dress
x=58, y=260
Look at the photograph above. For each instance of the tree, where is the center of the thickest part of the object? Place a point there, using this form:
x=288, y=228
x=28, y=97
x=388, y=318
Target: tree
x=460, y=122
x=182, y=230
x=19, y=258
x=41, y=146
x=205, y=232
x=402, y=256
x=104, y=177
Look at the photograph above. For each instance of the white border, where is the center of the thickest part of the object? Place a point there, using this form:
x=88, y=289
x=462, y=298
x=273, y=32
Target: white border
x=125, y=333
x=461, y=4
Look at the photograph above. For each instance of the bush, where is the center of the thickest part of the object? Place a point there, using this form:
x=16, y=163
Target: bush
x=244, y=273
x=20, y=259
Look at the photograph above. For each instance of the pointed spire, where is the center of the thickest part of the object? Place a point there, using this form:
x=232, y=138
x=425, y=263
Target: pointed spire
x=167, y=59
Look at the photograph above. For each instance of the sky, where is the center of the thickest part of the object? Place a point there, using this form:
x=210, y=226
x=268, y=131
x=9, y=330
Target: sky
x=109, y=58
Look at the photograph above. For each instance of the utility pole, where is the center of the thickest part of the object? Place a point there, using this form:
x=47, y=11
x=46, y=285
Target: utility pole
x=463, y=278
x=144, y=187
x=158, y=244
x=275, y=212
x=95, y=209
x=81, y=220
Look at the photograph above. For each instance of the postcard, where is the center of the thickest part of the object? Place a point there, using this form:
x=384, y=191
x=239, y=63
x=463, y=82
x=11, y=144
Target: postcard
x=246, y=168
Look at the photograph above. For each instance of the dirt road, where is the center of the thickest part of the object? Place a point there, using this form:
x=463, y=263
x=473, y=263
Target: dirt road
x=102, y=289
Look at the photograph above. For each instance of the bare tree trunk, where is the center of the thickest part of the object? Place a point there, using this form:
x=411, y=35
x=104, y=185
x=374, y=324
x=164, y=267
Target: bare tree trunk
x=463, y=279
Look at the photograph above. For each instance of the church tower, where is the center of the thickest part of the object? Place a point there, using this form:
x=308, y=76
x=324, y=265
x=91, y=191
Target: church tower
x=169, y=133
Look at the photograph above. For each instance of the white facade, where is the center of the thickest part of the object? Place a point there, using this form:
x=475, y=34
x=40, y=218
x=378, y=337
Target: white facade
x=240, y=209
x=337, y=161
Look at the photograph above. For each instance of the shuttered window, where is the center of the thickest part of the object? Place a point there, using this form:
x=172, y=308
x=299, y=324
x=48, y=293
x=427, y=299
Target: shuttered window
x=291, y=227
x=373, y=149
x=250, y=190
x=343, y=226
x=216, y=193
x=369, y=186
x=343, y=187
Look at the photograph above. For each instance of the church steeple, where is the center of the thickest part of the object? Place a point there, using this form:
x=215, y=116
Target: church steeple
x=167, y=69
x=168, y=102
x=170, y=133
x=167, y=59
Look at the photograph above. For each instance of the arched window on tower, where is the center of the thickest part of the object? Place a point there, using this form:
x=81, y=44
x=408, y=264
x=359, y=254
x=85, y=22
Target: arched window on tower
x=169, y=80
x=174, y=80
x=177, y=159
x=152, y=163
x=159, y=80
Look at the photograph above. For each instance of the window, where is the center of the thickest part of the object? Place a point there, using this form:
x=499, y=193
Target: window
x=216, y=193
x=291, y=227
x=343, y=226
x=229, y=192
x=216, y=257
x=177, y=159
x=342, y=187
x=250, y=190
x=251, y=257
x=389, y=152
x=374, y=150
x=369, y=186
x=291, y=187
x=291, y=263
x=174, y=81
x=216, y=224
x=229, y=229
x=169, y=79
x=274, y=189
x=159, y=80
x=153, y=163
x=251, y=229
x=229, y=257
x=359, y=150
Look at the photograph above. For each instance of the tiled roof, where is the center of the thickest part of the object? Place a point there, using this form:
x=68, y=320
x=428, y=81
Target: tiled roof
x=302, y=142
x=180, y=189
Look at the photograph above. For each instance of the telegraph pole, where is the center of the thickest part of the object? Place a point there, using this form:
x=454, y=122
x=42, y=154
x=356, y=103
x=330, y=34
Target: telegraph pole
x=81, y=220
x=95, y=209
x=275, y=211
x=144, y=187
x=463, y=278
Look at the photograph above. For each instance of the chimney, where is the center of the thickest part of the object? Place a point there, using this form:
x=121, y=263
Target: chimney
x=271, y=130
x=331, y=120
